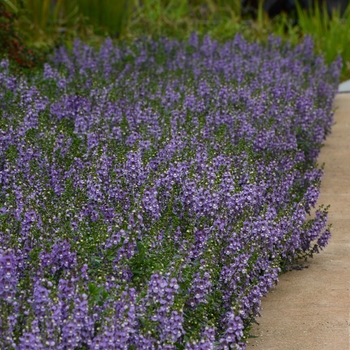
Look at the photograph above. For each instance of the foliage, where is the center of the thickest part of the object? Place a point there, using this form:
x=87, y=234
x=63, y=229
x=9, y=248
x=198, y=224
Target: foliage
x=151, y=193
x=330, y=32
x=12, y=45
x=49, y=23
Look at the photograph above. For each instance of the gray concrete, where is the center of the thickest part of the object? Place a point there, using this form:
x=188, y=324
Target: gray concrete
x=344, y=86
x=310, y=309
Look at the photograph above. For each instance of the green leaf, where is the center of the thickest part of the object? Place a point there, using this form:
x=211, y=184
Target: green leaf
x=104, y=294
x=10, y=4
x=93, y=289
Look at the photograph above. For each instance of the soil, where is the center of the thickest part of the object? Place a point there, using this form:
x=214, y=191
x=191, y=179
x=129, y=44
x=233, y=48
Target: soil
x=310, y=307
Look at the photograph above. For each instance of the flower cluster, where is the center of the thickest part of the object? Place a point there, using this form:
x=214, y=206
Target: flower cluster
x=151, y=193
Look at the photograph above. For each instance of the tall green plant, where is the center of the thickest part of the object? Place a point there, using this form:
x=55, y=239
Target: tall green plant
x=39, y=15
x=107, y=16
x=331, y=33
x=221, y=7
x=42, y=22
x=163, y=16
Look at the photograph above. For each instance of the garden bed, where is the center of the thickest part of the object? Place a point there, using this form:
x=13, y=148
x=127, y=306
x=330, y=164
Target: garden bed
x=152, y=193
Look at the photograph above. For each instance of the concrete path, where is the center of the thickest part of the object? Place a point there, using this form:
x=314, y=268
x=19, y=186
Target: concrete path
x=344, y=86
x=310, y=309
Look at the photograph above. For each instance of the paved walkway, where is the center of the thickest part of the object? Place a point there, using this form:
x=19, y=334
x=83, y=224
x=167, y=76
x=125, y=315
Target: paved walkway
x=310, y=309
x=344, y=86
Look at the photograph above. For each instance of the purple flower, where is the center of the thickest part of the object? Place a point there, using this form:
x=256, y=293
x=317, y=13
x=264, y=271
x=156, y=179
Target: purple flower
x=8, y=276
x=151, y=192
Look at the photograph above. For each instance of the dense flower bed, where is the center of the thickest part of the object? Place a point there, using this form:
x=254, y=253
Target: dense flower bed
x=150, y=194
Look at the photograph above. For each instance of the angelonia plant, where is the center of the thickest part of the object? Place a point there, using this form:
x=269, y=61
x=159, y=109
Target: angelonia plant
x=151, y=193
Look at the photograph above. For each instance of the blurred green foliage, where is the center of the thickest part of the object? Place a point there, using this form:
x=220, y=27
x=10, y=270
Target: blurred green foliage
x=331, y=33
x=12, y=44
x=45, y=24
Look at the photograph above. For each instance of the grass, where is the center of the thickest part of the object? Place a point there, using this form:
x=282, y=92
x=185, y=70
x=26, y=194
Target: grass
x=331, y=33
x=46, y=23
